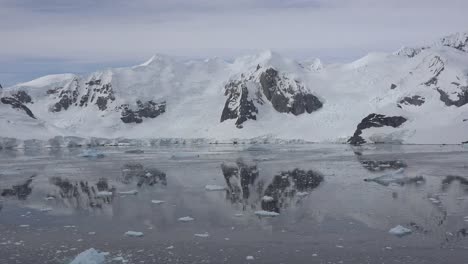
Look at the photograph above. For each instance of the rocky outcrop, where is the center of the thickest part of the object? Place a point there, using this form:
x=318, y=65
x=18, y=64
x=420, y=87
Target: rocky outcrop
x=436, y=67
x=148, y=109
x=66, y=96
x=462, y=97
x=238, y=106
x=458, y=41
x=23, y=97
x=98, y=93
x=374, y=120
x=17, y=105
x=285, y=95
x=415, y=100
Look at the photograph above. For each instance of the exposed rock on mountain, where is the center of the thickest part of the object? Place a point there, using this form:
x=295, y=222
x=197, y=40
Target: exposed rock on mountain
x=14, y=103
x=374, y=120
x=413, y=100
x=148, y=109
x=285, y=95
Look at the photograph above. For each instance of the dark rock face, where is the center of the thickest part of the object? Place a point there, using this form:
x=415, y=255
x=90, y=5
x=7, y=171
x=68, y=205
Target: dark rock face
x=462, y=97
x=98, y=94
x=148, y=109
x=23, y=97
x=17, y=105
x=67, y=97
x=393, y=86
x=238, y=105
x=286, y=184
x=285, y=95
x=275, y=90
x=374, y=120
x=413, y=100
x=21, y=191
x=93, y=93
x=143, y=176
x=436, y=67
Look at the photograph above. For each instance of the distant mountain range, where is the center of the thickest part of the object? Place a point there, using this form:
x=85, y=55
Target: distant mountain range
x=417, y=95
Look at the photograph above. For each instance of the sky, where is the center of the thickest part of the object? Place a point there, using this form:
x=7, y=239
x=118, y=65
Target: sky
x=39, y=37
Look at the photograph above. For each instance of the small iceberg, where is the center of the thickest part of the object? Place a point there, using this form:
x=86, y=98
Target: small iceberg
x=400, y=231
x=157, y=201
x=396, y=177
x=204, y=235
x=104, y=194
x=186, y=219
x=90, y=256
x=215, y=188
x=266, y=213
x=267, y=198
x=249, y=258
x=133, y=234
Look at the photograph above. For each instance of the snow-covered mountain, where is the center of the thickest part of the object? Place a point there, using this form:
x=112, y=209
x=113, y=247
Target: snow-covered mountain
x=415, y=95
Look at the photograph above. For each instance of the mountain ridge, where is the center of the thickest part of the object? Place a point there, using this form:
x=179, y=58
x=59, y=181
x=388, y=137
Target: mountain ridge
x=256, y=95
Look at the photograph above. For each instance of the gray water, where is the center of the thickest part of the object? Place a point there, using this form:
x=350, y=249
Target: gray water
x=330, y=208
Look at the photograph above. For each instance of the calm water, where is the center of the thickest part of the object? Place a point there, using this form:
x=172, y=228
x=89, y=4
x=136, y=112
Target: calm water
x=56, y=203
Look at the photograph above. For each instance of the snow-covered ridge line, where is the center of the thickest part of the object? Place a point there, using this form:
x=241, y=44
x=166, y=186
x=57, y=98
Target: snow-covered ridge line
x=168, y=100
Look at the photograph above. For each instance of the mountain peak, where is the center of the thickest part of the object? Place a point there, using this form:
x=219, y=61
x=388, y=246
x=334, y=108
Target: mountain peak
x=457, y=40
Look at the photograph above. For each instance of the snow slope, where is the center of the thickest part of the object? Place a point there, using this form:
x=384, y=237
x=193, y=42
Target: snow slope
x=263, y=94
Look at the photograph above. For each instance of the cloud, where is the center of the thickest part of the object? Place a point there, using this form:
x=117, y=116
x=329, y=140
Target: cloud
x=111, y=31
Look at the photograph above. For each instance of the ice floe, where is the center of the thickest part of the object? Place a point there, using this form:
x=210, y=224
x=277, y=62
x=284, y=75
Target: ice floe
x=133, y=234
x=186, y=219
x=90, y=256
x=400, y=231
x=266, y=213
x=215, y=188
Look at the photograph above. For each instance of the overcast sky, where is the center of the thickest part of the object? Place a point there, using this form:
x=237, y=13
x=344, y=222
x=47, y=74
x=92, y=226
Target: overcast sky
x=39, y=37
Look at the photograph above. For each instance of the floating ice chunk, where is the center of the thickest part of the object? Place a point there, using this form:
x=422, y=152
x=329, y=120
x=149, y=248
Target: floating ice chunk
x=396, y=177
x=48, y=198
x=91, y=233
x=90, y=256
x=186, y=219
x=91, y=153
x=157, y=201
x=249, y=258
x=133, y=234
x=170, y=247
x=302, y=194
x=24, y=226
x=104, y=194
x=121, y=259
x=131, y=192
x=215, y=188
x=267, y=198
x=266, y=213
x=46, y=209
x=204, y=235
x=239, y=215
x=400, y=231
